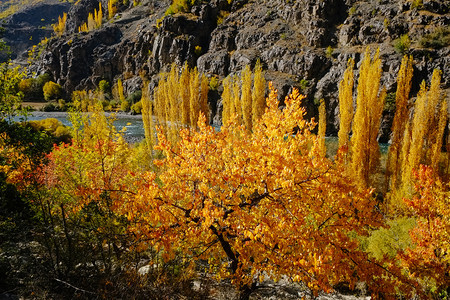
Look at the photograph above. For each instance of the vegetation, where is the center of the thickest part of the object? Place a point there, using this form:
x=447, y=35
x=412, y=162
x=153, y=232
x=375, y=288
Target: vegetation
x=241, y=100
x=94, y=20
x=402, y=44
x=60, y=27
x=440, y=38
x=52, y=90
x=257, y=199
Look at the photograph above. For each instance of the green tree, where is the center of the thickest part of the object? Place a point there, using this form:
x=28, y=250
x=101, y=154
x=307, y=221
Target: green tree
x=10, y=98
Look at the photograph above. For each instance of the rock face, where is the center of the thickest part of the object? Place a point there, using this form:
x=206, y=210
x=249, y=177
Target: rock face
x=301, y=43
x=29, y=26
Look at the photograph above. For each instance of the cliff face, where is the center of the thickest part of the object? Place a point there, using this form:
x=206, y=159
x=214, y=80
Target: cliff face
x=301, y=43
x=29, y=26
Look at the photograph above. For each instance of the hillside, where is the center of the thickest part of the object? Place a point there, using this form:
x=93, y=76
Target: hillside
x=301, y=43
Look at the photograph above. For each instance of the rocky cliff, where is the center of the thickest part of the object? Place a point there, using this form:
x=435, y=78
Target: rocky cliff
x=29, y=26
x=301, y=43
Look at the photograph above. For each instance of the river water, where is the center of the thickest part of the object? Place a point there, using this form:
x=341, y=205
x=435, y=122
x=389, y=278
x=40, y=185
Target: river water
x=135, y=128
x=133, y=123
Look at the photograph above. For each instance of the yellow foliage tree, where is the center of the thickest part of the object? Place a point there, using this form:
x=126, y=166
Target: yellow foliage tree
x=241, y=99
x=426, y=131
x=401, y=118
x=258, y=93
x=112, y=9
x=322, y=128
x=226, y=100
x=60, y=27
x=246, y=97
x=346, y=104
x=369, y=107
x=258, y=204
x=147, y=117
x=180, y=98
x=94, y=20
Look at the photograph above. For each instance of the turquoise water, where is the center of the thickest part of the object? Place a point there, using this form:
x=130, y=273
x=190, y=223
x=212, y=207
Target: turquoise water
x=134, y=124
x=135, y=128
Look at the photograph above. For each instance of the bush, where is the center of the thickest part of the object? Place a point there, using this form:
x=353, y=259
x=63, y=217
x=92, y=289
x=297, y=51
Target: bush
x=137, y=107
x=135, y=97
x=32, y=88
x=125, y=106
x=104, y=86
x=402, y=44
x=436, y=40
x=51, y=90
x=50, y=107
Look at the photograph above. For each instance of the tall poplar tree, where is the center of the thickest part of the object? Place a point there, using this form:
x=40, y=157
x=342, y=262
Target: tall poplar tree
x=369, y=107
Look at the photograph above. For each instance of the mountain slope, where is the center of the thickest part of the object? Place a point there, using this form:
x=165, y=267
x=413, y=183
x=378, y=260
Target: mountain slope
x=303, y=43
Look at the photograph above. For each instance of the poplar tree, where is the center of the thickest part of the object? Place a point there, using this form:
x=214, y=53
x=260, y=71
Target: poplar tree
x=369, y=107
x=60, y=27
x=194, y=97
x=424, y=131
x=120, y=90
x=226, y=100
x=112, y=9
x=322, y=128
x=346, y=104
x=246, y=97
x=147, y=117
x=236, y=98
x=203, y=104
x=258, y=93
x=401, y=118
x=185, y=94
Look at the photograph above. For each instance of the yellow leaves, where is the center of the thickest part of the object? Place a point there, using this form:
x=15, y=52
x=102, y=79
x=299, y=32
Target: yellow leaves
x=60, y=27
x=366, y=123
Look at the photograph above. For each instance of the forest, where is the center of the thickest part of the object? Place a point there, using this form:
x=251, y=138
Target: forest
x=86, y=215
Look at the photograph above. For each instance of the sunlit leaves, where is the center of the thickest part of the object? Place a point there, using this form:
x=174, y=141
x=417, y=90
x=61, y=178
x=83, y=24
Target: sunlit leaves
x=266, y=202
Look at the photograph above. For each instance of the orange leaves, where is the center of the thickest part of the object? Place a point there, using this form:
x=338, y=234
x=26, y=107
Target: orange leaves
x=257, y=202
x=429, y=258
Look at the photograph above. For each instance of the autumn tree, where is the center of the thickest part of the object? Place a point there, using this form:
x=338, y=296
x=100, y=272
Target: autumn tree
x=112, y=8
x=244, y=97
x=179, y=98
x=322, y=127
x=425, y=134
x=51, y=90
x=258, y=92
x=401, y=118
x=428, y=261
x=94, y=20
x=346, y=105
x=85, y=181
x=366, y=123
x=147, y=118
x=258, y=204
x=60, y=27
x=10, y=98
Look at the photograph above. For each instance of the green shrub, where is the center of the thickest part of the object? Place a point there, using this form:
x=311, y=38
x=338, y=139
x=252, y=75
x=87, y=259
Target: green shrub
x=134, y=97
x=389, y=103
x=436, y=40
x=214, y=83
x=402, y=44
x=329, y=51
x=104, y=86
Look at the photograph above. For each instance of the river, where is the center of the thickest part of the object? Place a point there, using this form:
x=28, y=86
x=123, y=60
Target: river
x=133, y=123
